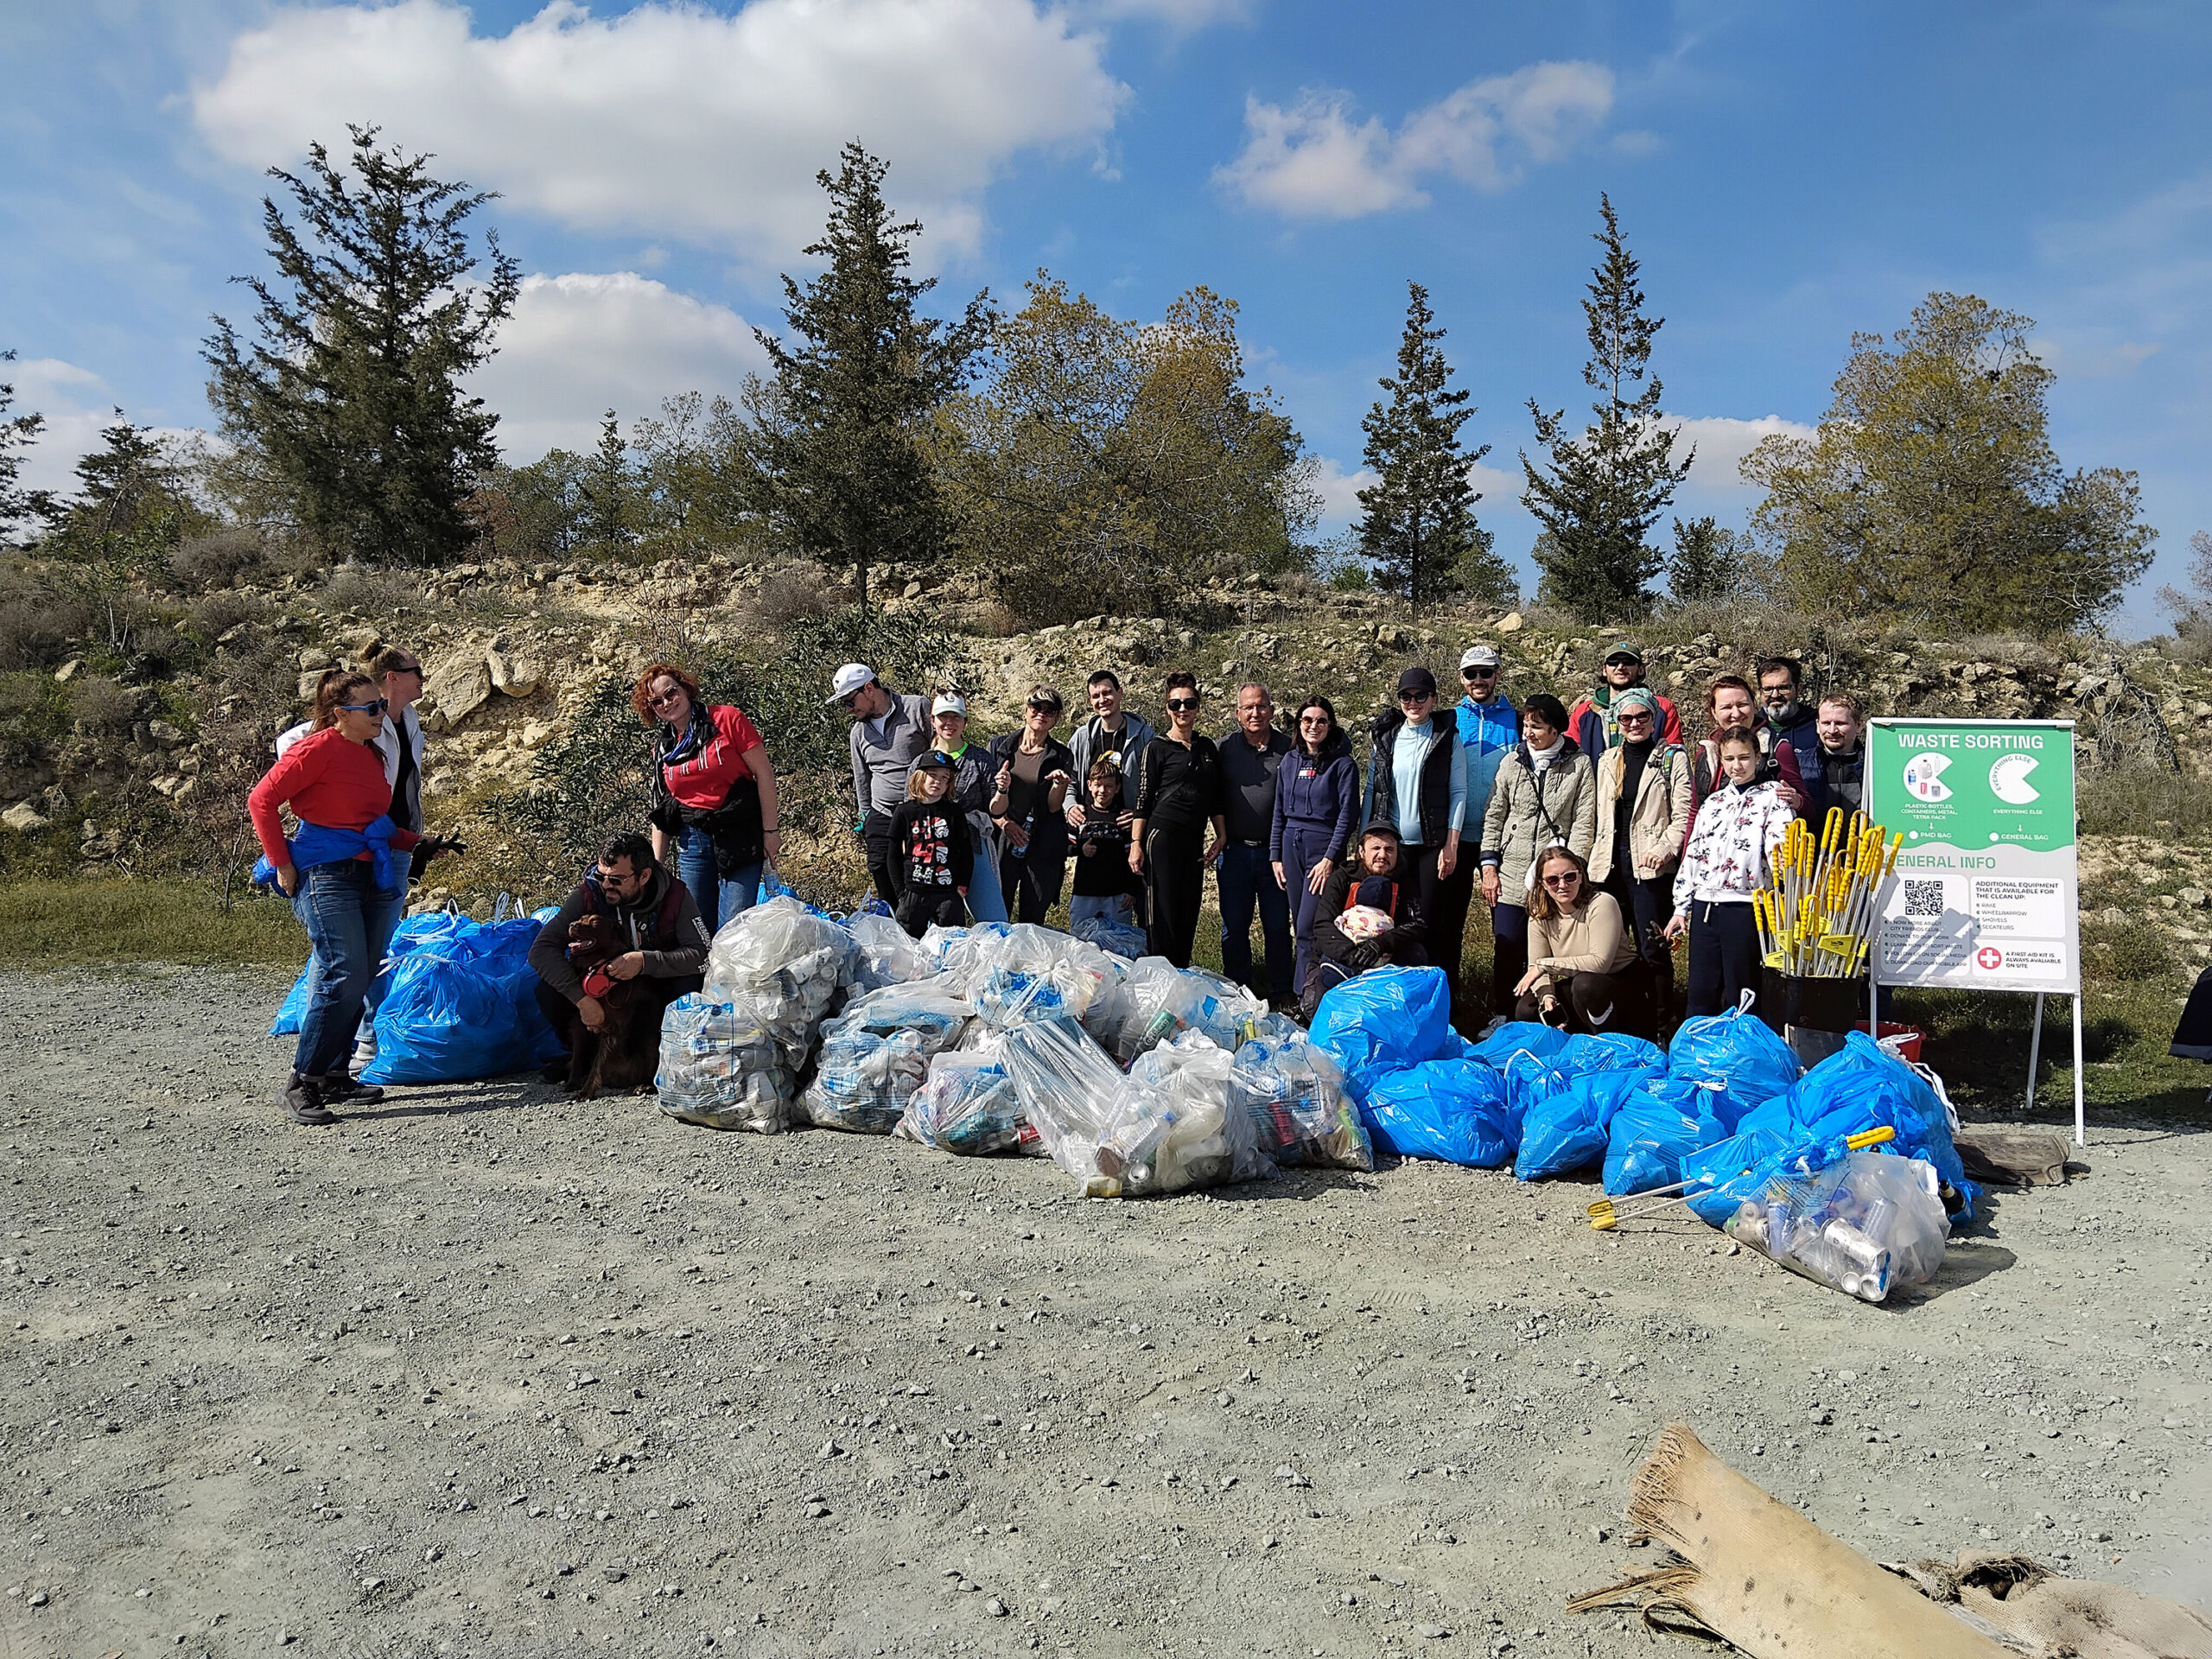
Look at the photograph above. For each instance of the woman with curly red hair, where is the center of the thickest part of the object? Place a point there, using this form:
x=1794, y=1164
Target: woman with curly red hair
x=714, y=791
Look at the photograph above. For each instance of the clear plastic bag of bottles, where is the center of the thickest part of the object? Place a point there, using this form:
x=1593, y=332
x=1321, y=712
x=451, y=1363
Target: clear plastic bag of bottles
x=877, y=1053
x=967, y=1105
x=1867, y=1225
x=721, y=1066
x=882, y=953
x=1295, y=1096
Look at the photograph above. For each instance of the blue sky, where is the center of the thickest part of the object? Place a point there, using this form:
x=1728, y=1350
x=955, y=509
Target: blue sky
x=1788, y=173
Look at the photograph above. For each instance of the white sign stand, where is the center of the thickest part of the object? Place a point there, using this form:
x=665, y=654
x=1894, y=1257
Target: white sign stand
x=2035, y=1057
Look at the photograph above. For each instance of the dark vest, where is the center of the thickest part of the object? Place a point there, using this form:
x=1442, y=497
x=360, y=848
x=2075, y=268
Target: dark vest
x=1435, y=804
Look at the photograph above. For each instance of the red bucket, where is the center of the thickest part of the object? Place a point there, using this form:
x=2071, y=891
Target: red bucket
x=1913, y=1035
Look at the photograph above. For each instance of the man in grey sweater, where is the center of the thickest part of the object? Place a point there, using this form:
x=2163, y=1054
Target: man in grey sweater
x=890, y=731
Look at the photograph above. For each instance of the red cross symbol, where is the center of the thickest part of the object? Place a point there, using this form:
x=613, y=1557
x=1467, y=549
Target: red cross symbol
x=1989, y=956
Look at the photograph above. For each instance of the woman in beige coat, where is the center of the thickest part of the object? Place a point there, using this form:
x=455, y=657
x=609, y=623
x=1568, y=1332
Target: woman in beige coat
x=1545, y=793
x=1643, y=817
x=1582, y=972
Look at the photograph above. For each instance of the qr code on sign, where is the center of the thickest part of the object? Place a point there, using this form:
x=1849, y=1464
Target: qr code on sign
x=1924, y=897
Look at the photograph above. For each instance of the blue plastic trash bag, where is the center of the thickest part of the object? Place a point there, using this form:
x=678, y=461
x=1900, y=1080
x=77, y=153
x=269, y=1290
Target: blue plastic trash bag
x=1538, y=1038
x=1739, y=1167
x=463, y=1004
x=1862, y=1087
x=1567, y=1129
x=1738, y=1049
x=412, y=931
x=1661, y=1122
x=1452, y=1110
x=1529, y=1081
x=1610, y=1050
x=1123, y=938
x=1385, y=1019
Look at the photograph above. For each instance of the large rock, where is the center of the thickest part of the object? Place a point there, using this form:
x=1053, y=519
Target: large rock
x=24, y=818
x=515, y=675
x=459, y=686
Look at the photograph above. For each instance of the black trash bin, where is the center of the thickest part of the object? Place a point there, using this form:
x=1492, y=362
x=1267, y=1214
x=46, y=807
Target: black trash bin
x=1809, y=1014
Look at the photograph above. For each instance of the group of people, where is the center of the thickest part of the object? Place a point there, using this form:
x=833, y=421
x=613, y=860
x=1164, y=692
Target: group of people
x=1596, y=837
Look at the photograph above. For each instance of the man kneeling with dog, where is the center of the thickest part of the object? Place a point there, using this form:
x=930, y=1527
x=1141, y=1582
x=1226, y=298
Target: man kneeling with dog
x=628, y=941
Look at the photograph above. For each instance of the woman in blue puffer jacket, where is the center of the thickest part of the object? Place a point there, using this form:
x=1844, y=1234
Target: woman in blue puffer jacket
x=1316, y=803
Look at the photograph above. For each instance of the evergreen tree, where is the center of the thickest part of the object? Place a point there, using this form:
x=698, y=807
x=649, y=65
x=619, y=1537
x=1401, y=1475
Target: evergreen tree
x=353, y=395
x=1418, y=521
x=1602, y=493
x=609, y=514
x=131, y=509
x=1701, y=566
x=17, y=432
x=847, y=473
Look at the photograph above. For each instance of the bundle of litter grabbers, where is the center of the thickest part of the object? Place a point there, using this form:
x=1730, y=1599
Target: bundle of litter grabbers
x=1816, y=919
x=1135, y=1075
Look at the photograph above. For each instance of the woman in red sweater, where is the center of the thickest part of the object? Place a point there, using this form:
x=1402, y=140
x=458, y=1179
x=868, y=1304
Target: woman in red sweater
x=714, y=793
x=344, y=885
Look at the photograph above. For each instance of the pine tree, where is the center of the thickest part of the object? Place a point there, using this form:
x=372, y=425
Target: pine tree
x=352, y=394
x=847, y=473
x=1700, y=567
x=1602, y=492
x=1418, y=522
x=131, y=509
x=17, y=432
x=609, y=513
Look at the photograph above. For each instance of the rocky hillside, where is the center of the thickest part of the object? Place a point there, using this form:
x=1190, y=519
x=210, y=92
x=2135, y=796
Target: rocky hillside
x=92, y=748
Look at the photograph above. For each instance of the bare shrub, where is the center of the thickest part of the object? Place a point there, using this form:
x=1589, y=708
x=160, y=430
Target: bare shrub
x=36, y=629
x=100, y=705
x=218, y=559
x=373, y=592
x=798, y=593
x=222, y=610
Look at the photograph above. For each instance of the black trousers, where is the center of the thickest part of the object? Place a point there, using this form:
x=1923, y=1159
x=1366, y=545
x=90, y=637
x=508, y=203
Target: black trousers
x=1175, y=885
x=1445, y=903
x=1031, y=880
x=1724, y=957
x=922, y=906
x=1647, y=908
x=876, y=835
x=1509, y=943
x=1595, y=1002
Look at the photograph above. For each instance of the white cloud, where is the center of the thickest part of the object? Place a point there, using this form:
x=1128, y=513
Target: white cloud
x=671, y=120
x=1182, y=16
x=1339, y=490
x=1313, y=159
x=78, y=405
x=1722, y=443
x=581, y=344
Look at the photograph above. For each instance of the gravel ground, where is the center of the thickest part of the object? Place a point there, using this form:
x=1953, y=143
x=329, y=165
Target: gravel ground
x=486, y=1371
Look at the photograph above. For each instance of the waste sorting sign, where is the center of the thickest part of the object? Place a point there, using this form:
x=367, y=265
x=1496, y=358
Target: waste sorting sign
x=1985, y=893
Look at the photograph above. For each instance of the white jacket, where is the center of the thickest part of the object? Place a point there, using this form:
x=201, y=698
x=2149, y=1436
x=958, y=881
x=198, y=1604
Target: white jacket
x=1732, y=846
x=386, y=742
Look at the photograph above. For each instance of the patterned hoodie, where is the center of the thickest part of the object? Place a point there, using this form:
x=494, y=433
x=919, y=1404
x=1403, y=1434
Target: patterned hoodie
x=1732, y=845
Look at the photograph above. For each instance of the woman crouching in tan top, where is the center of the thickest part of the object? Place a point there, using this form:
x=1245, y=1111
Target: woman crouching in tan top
x=1581, y=959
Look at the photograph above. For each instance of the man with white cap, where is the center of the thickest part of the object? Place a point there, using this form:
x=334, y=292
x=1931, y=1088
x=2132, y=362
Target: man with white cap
x=1489, y=727
x=889, y=730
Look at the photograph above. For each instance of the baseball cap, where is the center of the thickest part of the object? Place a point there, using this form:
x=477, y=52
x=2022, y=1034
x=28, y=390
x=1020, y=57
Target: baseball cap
x=1622, y=648
x=1417, y=679
x=1481, y=657
x=950, y=702
x=848, y=679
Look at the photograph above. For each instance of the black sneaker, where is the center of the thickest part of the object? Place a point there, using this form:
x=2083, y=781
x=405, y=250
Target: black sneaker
x=339, y=1089
x=302, y=1100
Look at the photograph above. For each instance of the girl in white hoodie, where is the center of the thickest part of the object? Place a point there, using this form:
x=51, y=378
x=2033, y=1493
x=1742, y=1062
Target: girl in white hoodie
x=1731, y=851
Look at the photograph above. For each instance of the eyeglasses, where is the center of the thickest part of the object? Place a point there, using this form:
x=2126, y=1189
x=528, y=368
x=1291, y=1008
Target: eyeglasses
x=1313, y=720
x=376, y=708
x=1567, y=879
x=1478, y=673
x=848, y=702
x=1623, y=662
x=656, y=699
x=1636, y=717
x=1181, y=705
x=1416, y=697
x=406, y=667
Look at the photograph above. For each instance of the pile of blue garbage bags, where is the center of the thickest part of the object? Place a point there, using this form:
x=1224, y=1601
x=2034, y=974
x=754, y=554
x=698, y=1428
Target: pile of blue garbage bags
x=1724, y=1108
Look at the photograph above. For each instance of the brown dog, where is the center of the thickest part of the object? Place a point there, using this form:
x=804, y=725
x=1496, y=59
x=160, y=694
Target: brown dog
x=621, y=1055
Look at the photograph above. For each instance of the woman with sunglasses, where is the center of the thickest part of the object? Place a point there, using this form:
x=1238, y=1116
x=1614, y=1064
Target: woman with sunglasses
x=1317, y=805
x=1029, y=791
x=1644, y=814
x=1180, y=791
x=714, y=793
x=339, y=874
x=1546, y=794
x=1417, y=784
x=1580, y=952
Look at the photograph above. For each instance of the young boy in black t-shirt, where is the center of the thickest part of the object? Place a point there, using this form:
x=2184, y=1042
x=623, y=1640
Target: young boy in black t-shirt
x=932, y=854
x=1104, y=888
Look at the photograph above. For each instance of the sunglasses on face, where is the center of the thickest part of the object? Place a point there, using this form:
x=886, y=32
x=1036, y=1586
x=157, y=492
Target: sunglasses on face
x=1478, y=673
x=659, y=698
x=1416, y=697
x=376, y=708
x=407, y=668
x=1623, y=662
x=1181, y=705
x=1313, y=720
x=1636, y=717
x=849, y=701
x=1564, y=880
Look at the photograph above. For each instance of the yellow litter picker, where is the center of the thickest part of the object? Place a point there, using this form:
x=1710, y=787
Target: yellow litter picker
x=1817, y=916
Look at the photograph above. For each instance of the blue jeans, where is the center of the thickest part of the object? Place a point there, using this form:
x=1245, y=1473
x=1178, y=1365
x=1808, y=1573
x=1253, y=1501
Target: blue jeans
x=1245, y=876
x=718, y=896
x=986, y=902
x=350, y=924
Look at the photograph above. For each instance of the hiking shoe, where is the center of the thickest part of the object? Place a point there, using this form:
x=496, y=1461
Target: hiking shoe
x=339, y=1089
x=302, y=1100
